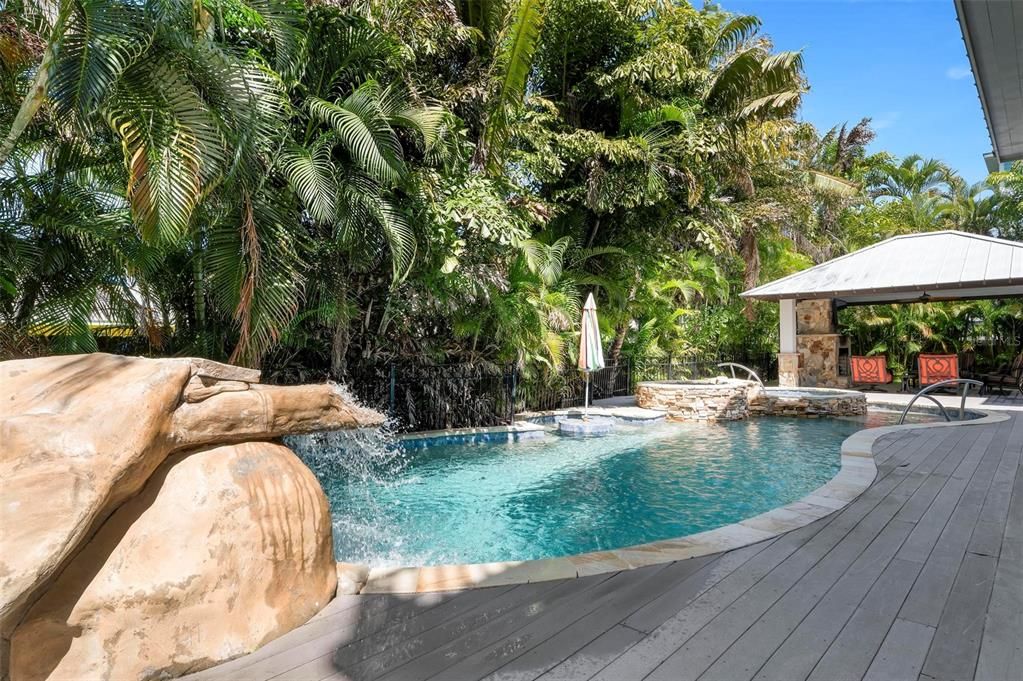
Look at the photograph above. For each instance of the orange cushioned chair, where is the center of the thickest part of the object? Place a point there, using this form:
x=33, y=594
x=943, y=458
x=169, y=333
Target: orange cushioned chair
x=870, y=370
x=936, y=368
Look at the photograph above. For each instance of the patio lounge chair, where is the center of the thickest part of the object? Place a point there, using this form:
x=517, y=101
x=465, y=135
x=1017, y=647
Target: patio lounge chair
x=1007, y=377
x=937, y=368
x=870, y=371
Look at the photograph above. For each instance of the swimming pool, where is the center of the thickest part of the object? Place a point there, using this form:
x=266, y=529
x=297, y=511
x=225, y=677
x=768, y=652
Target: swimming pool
x=557, y=496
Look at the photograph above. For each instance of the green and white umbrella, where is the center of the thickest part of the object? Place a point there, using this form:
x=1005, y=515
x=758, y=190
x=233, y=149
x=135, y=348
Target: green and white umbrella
x=591, y=356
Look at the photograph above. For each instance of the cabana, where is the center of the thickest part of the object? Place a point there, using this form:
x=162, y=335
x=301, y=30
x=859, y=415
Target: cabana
x=912, y=268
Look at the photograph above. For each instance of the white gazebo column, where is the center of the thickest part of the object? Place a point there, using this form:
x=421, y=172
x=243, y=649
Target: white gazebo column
x=788, y=357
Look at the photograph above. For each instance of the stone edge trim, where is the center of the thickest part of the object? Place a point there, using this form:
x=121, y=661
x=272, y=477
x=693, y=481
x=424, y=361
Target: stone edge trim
x=857, y=473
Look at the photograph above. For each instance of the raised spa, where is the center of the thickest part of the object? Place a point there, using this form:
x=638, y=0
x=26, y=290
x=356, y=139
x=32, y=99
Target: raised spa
x=731, y=399
x=479, y=502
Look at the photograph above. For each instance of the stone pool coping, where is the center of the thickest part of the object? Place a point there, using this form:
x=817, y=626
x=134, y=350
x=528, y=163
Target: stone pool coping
x=857, y=473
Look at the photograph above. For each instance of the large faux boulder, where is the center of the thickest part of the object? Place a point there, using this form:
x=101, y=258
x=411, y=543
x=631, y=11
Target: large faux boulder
x=81, y=435
x=224, y=549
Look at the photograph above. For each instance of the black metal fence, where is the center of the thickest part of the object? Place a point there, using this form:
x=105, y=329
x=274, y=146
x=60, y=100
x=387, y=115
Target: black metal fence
x=436, y=397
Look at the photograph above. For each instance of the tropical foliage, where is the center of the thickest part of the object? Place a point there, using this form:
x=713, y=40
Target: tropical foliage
x=314, y=188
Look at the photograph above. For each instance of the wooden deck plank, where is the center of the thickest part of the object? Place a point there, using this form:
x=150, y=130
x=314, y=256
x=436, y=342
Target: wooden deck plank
x=930, y=593
x=395, y=654
x=594, y=657
x=688, y=619
x=836, y=551
x=851, y=653
x=956, y=644
x=795, y=657
x=439, y=659
x=551, y=651
x=1001, y=651
x=931, y=526
x=347, y=624
x=548, y=640
x=902, y=653
x=334, y=652
x=653, y=614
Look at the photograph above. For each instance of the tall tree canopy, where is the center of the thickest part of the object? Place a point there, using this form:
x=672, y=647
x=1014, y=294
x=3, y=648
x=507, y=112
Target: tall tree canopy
x=319, y=187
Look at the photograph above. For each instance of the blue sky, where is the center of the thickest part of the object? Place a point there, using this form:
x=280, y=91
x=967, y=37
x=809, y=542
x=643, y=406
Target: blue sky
x=902, y=63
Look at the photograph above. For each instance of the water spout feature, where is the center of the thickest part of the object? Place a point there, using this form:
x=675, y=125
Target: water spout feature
x=350, y=464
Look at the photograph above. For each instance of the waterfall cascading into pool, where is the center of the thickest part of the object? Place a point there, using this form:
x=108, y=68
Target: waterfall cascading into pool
x=362, y=461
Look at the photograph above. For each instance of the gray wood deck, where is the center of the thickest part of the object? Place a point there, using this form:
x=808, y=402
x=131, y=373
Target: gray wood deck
x=921, y=577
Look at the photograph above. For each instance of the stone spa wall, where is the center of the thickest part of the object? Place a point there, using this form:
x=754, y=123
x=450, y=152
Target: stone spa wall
x=727, y=399
x=715, y=399
x=806, y=402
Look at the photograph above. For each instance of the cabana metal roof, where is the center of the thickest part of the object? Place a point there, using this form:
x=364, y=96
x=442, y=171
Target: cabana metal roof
x=993, y=33
x=911, y=268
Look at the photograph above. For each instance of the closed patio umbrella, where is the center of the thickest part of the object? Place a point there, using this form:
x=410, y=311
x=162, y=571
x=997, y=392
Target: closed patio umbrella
x=591, y=356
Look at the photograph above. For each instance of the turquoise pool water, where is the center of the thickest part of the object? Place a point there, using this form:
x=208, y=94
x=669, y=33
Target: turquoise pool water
x=482, y=502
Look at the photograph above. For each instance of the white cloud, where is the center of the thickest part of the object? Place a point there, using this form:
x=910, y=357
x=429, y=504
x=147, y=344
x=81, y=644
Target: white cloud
x=958, y=72
x=885, y=120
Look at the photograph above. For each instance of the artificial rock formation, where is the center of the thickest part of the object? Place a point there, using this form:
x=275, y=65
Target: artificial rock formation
x=224, y=549
x=126, y=528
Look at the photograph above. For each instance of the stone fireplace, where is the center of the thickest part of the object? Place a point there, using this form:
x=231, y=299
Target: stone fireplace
x=818, y=345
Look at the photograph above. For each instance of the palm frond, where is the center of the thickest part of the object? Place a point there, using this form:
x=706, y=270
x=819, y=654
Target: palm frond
x=101, y=41
x=514, y=62
x=171, y=147
x=285, y=21
x=362, y=127
x=735, y=32
x=311, y=173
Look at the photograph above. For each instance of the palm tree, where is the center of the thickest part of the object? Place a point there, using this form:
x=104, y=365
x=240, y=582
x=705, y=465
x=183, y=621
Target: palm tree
x=71, y=256
x=198, y=123
x=746, y=86
x=913, y=175
x=209, y=159
x=744, y=81
x=838, y=151
x=514, y=48
x=536, y=315
x=974, y=208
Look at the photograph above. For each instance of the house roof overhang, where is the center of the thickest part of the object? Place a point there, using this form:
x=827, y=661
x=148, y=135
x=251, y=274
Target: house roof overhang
x=993, y=33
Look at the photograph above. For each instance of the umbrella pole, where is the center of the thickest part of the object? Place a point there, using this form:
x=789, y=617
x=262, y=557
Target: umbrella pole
x=586, y=399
